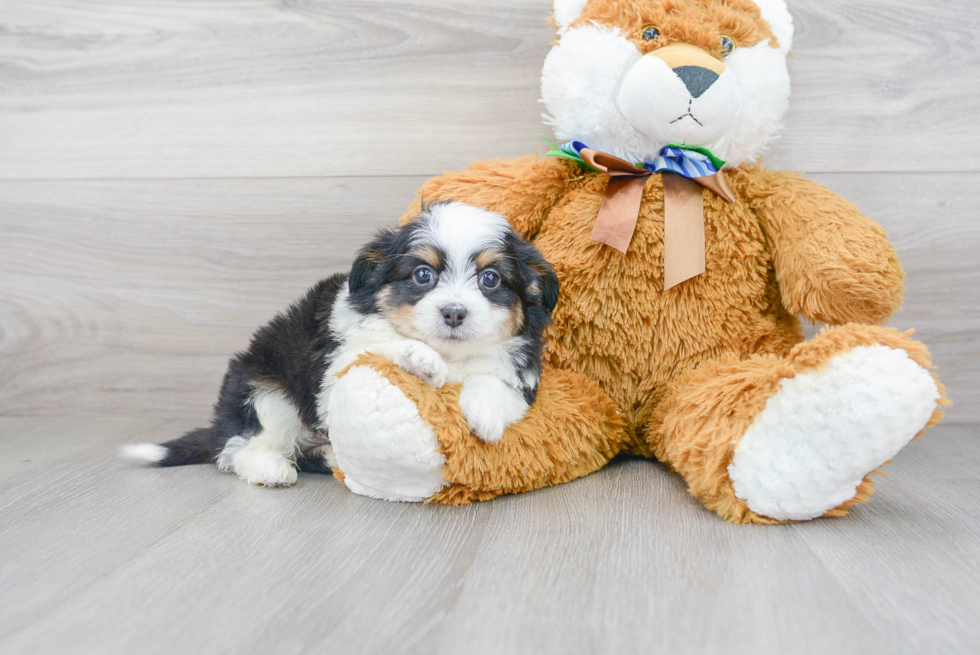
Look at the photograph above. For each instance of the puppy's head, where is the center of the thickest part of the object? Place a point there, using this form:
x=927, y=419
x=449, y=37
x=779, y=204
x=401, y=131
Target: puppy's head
x=457, y=278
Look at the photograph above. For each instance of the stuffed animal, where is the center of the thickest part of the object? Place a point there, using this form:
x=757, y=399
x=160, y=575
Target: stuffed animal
x=684, y=266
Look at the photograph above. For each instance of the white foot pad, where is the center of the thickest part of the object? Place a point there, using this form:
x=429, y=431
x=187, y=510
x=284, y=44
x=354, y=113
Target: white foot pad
x=385, y=449
x=823, y=431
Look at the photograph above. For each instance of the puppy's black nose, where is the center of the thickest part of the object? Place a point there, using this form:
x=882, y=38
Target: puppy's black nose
x=453, y=315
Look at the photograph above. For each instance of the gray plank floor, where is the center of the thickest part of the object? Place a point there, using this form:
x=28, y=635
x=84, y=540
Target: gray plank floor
x=99, y=556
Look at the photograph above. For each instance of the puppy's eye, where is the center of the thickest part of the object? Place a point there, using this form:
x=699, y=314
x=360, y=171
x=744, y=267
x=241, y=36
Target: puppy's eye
x=650, y=32
x=727, y=46
x=489, y=279
x=423, y=276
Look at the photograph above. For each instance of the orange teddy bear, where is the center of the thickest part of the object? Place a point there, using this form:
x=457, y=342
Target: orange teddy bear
x=683, y=267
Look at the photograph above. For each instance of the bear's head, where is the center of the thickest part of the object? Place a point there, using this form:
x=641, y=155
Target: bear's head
x=629, y=77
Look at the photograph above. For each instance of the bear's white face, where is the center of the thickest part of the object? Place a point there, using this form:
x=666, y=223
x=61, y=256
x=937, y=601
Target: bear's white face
x=615, y=88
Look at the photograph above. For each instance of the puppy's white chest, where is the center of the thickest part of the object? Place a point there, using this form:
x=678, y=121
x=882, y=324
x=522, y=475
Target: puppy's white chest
x=383, y=446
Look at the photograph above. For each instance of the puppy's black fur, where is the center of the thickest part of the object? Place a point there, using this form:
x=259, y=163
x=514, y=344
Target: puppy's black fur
x=289, y=353
x=538, y=295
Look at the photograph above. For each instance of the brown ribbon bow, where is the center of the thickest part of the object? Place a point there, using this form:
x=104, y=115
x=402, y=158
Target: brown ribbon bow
x=683, y=212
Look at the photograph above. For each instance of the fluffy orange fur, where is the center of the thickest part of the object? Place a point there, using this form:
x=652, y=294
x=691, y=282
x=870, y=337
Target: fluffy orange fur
x=695, y=22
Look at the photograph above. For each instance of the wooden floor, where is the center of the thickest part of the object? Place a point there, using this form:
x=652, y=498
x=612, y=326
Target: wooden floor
x=99, y=556
x=173, y=172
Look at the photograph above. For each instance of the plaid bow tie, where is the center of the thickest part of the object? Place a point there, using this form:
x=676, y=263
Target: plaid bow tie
x=687, y=170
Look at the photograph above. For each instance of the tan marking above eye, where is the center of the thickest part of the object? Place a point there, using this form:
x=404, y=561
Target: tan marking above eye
x=428, y=254
x=487, y=257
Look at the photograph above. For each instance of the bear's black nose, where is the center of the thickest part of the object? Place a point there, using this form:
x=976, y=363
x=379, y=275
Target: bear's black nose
x=696, y=79
x=453, y=315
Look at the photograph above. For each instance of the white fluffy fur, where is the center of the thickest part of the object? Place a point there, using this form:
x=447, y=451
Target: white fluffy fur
x=776, y=13
x=490, y=406
x=824, y=430
x=268, y=458
x=656, y=103
x=566, y=11
x=599, y=89
x=580, y=84
x=385, y=449
x=145, y=453
x=356, y=333
x=226, y=458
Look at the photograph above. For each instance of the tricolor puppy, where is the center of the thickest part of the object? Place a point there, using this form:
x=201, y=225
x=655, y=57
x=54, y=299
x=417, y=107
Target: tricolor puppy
x=454, y=294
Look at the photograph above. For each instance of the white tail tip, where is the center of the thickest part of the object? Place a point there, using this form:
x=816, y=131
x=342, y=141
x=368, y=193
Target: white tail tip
x=146, y=453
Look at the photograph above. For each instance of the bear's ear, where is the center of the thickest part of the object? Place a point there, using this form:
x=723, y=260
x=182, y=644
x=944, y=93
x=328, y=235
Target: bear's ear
x=776, y=13
x=566, y=11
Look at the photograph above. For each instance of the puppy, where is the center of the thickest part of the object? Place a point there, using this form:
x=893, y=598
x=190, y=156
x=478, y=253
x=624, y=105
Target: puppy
x=453, y=295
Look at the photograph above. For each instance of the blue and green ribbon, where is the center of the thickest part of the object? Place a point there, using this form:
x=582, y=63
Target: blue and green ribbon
x=688, y=161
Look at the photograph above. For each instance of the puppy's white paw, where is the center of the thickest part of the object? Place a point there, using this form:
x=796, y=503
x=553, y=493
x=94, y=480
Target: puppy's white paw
x=490, y=406
x=425, y=363
x=265, y=468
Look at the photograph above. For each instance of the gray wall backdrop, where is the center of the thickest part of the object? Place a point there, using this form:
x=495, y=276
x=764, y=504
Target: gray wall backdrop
x=173, y=173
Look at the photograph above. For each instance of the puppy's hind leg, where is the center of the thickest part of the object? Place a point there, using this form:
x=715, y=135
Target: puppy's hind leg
x=267, y=458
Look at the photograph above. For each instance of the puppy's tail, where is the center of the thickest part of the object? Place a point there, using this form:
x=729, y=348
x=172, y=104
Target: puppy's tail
x=195, y=447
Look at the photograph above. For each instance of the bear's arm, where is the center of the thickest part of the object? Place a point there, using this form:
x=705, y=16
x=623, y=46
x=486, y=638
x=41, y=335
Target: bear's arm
x=522, y=190
x=833, y=264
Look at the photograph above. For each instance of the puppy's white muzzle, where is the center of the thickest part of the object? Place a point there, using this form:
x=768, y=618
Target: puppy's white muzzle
x=679, y=94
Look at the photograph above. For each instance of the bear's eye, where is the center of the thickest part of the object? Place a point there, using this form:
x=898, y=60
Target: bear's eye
x=727, y=46
x=650, y=32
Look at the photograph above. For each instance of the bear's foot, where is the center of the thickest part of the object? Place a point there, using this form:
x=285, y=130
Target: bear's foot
x=824, y=430
x=382, y=445
x=770, y=439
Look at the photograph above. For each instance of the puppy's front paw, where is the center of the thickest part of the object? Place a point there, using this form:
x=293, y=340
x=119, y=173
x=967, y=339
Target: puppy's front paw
x=425, y=363
x=489, y=406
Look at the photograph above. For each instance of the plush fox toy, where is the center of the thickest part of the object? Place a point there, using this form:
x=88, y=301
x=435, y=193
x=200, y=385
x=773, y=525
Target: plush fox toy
x=684, y=267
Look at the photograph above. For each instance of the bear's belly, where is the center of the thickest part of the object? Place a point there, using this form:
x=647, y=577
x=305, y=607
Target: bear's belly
x=615, y=323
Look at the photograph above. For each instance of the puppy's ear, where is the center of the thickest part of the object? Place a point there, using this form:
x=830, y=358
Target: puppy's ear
x=549, y=284
x=538, y=275
x=366, y=276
